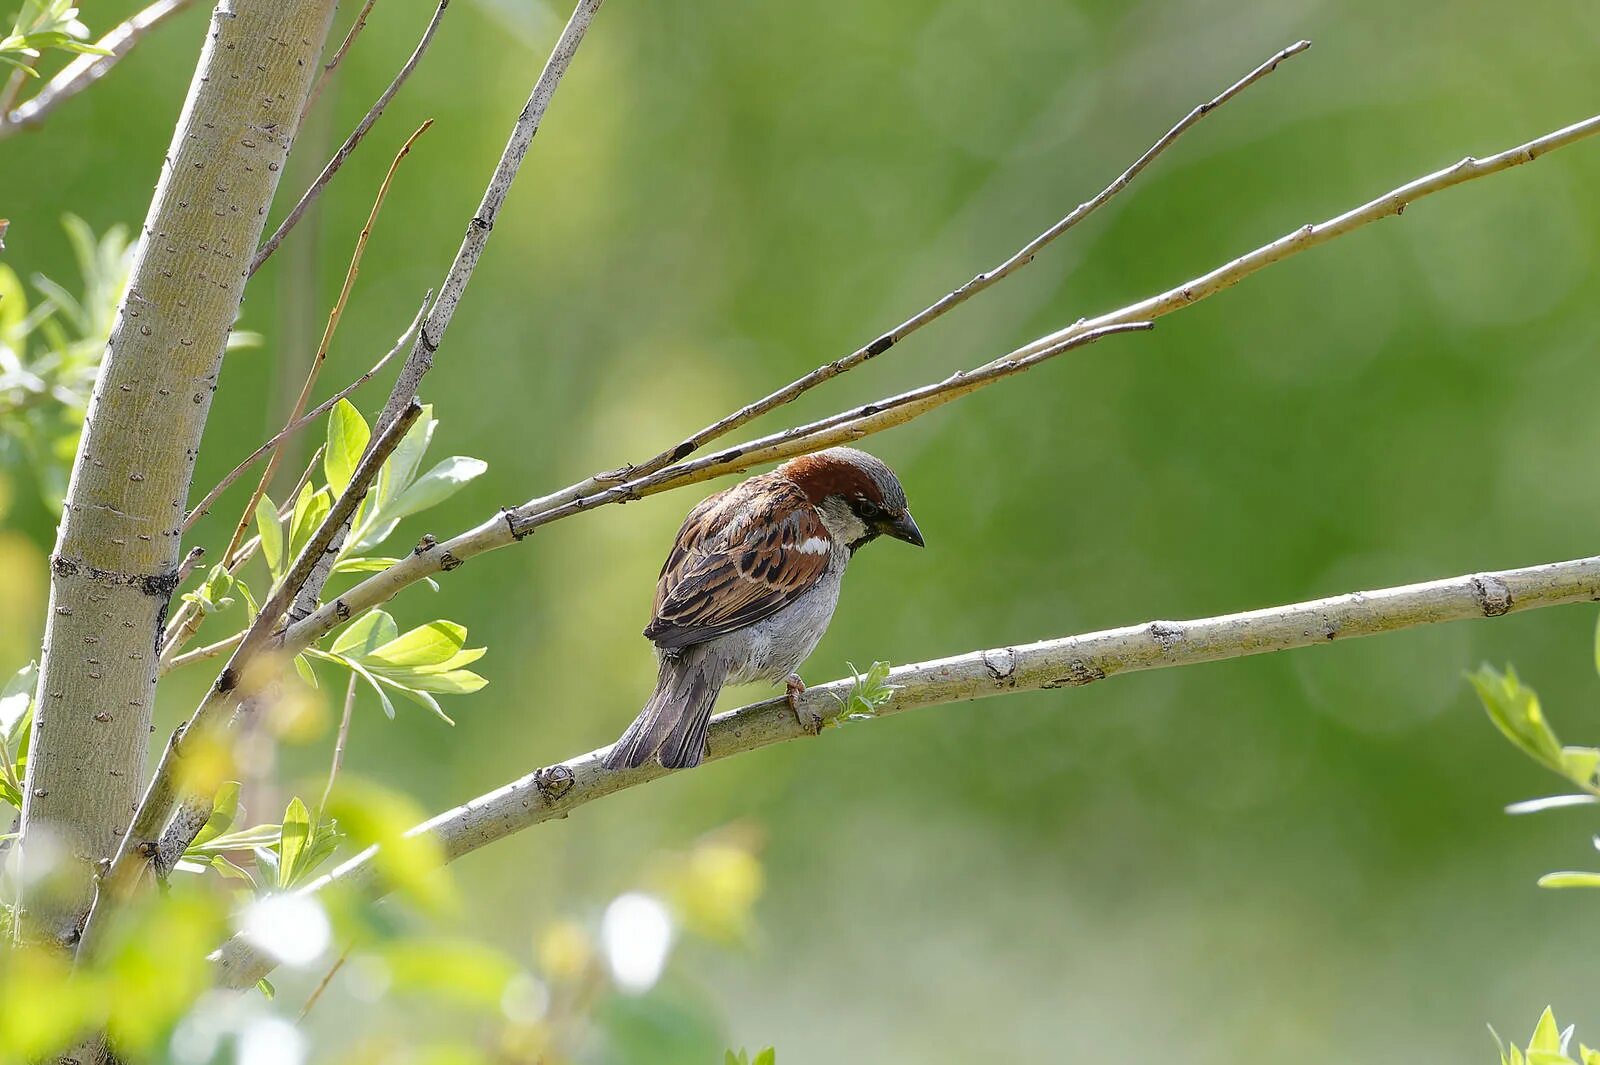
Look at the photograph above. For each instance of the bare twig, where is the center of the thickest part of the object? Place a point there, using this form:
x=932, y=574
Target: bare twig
x=201, y=654
x=85, y=70
x=338, y=747
x=333, y=970
x=190, y=561
x=356, y=27
x=1310, y=236
x=1020, y=258
x=334, y=317
x=1072, y=661
x=500, y=531
x=294, y=426
x=431, y=335
x=238, y=680
x=270, y=245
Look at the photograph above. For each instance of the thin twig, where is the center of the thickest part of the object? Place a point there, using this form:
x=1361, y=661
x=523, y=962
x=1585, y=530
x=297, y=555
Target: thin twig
x=338, y=57
x=202, y=507
x=270, y=245
x=334, y=317
x=239, y=679
x=190, y=561
x=841, y=428
x=187, y=618
x=333, y=970
x=1072, y=661
x=498, y=532
x=1020, y=258
x=85, y=70
x=338, y=748
x=201, y=654
x=431, y=335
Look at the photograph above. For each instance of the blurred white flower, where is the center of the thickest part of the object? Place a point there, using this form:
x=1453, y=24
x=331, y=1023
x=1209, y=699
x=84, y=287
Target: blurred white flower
x=292, y=928
x=636, y=935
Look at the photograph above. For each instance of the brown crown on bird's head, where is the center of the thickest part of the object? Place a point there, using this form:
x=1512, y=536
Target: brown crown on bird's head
x=864, y=483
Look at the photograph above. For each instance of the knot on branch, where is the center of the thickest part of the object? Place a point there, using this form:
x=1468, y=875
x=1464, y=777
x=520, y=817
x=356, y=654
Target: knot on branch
x=1494, y=597
x=553, y=781
x=157, y=585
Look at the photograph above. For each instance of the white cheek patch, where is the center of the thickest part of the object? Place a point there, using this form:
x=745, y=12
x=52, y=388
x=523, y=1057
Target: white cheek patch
x=814, y=545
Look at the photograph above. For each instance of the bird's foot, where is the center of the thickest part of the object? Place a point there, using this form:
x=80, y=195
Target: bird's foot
x=809, y=719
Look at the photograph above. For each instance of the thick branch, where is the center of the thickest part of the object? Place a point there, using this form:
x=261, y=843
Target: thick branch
x=117, y=551
x=1072, y=661
x=239, y=680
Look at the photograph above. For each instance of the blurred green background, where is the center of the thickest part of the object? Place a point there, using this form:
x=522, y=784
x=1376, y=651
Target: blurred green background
x=1301, y=855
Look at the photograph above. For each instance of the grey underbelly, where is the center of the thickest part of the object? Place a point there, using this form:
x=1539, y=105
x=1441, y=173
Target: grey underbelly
x=772, y=649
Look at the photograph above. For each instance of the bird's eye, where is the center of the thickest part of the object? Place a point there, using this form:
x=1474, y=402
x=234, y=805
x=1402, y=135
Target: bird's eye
x=867, y=509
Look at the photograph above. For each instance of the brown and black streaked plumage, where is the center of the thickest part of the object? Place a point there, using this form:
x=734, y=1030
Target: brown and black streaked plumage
x=750, y=586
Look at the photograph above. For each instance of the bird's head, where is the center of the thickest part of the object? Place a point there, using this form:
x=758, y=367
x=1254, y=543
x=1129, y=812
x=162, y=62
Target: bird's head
x=858, y=497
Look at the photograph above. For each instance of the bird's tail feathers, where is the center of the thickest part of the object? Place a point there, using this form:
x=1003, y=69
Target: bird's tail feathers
x=674, y=722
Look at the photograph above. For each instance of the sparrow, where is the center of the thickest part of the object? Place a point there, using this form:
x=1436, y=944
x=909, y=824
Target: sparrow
x=749, y=588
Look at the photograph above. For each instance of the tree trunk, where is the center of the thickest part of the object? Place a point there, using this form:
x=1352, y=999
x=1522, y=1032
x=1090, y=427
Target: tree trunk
x=118, y=547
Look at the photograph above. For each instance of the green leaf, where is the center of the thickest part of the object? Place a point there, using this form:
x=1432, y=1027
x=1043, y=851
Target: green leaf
x=432, y=644
x=224, y=808
x=363, y=564
x=1514, y=709
x=1569, y=880
x=729, y=1058
x=407, y=457
x=365, y=634
x=452, y=682
x=347, y=440
x=769, y=1056
x=421, y=698
x=271, y=535
x=296, y=834
x=1546, y=1034
x=267, y=990
x=1579, y=764
x=302, y=666
x=310, y=508
x=256, y=836
x=364, y=674
x=229, y=871
x=434, y=487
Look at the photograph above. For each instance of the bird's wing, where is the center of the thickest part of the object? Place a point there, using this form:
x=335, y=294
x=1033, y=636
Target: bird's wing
x=741, y=556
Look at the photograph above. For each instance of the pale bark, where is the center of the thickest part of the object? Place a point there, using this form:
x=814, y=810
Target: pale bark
x=1070, y=662
x=118, y=547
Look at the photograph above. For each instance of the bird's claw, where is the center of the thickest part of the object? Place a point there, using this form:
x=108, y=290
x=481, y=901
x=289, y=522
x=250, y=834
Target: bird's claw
x=809, y=719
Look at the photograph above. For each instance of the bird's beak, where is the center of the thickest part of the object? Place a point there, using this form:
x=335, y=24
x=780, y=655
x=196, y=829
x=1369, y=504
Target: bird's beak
x=903, y=528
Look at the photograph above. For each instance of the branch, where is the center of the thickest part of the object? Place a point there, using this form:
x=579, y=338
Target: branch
x=431, y=335
x=118, y=550
x=1311, y=235
x=934, y=311
x=270, y=245
x=203, y=507
x=1072, y=661
x=85, y=70
x=328, y=68
x=238, y=680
